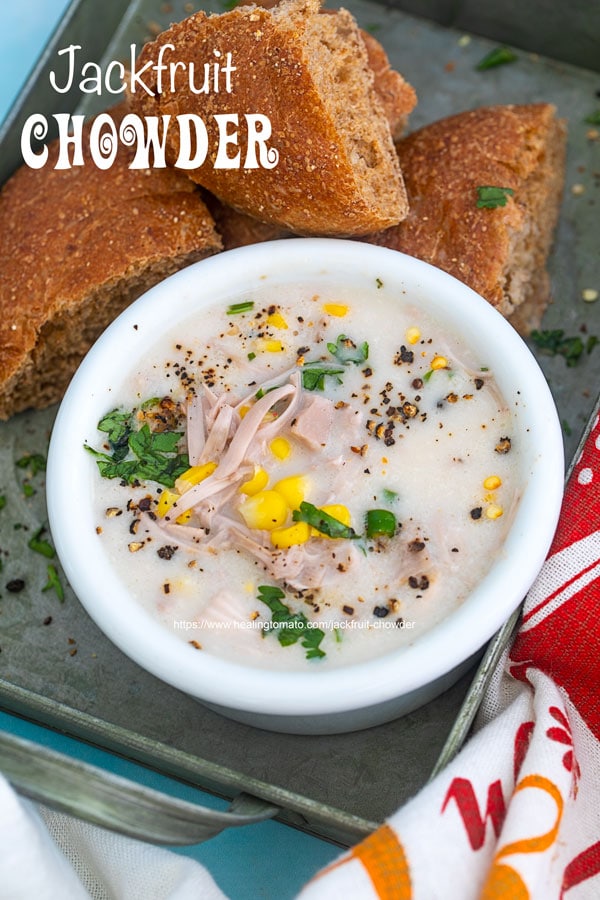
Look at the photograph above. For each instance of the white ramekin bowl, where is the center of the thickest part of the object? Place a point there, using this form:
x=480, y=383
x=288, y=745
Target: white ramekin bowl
x=354, y=696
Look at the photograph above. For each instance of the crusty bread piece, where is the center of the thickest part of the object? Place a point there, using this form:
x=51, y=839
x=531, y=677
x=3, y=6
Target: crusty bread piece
x=77, y=246
x=337, y=172
x=501, y=253
x=398, y=100
x=397, y=96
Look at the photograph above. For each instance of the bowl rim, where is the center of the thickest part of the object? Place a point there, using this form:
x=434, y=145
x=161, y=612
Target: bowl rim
x=251, y=689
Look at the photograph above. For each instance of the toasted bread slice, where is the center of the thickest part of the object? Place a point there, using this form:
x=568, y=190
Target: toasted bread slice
x=397, y=96
x=500, y=252
x=309, y=74
x=78, y=245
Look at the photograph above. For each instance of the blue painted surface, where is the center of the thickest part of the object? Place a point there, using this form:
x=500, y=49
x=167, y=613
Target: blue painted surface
x=269, y=861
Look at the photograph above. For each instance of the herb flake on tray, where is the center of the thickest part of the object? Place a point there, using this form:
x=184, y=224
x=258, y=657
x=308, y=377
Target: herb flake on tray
x=499, y=56
x=54, y=583
x=553, y=342
x=40, y=545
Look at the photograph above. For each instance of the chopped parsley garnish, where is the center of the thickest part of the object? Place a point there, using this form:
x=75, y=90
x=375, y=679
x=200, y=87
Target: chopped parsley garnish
x=554, y=343
x=28, y=489
x=243, y=307
x=288, y=626
x=389, y=495
x=490, y=197
x=499, y=56
x=148, y=404
x=251, y=355
x=139, y=455
x=40, y=545
x=346, y=351
x=323, y=522
x=54, y=583
x=35, y=462
x=262, y=391
x=315, y=373
x=2, y=501
x=593, y=118
x=117, y=425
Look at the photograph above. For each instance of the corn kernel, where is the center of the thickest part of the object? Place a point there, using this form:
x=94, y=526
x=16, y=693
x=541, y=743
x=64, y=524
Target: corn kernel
x=298, y=533
x=413, y=335
x=277, y=320
x=259, y=480
x=292, y=489
x=280, y=447
x=493, y=511
x=166, y=501
x=336, y=309
x=243, y=410
x=270, y=345
x=492, y=482
x=439, y=362
x=265, y=511
x=194, y=475
x=339, y=512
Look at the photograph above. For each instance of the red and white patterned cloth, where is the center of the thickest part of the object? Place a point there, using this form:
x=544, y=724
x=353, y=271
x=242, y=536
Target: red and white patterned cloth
x=516, y=815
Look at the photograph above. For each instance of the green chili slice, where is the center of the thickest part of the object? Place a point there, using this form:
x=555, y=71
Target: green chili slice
x=380, y=523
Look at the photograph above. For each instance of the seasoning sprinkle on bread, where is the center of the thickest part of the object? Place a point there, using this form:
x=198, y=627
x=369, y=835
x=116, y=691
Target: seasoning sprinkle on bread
x=78, y=245
x=309, y=74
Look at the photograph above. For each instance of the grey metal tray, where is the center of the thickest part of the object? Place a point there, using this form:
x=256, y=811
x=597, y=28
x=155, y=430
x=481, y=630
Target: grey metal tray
x=56, y=667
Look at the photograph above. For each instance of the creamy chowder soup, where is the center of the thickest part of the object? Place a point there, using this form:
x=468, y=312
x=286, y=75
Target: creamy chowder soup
x=306, y=480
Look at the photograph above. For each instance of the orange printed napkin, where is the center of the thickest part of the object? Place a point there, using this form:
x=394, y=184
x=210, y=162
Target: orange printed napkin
x=516, y=815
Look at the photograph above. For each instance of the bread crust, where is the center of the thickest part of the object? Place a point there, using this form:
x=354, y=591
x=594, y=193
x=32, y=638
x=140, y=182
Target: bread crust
x=500, y=253
x=323, y=182
x=78, y=245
